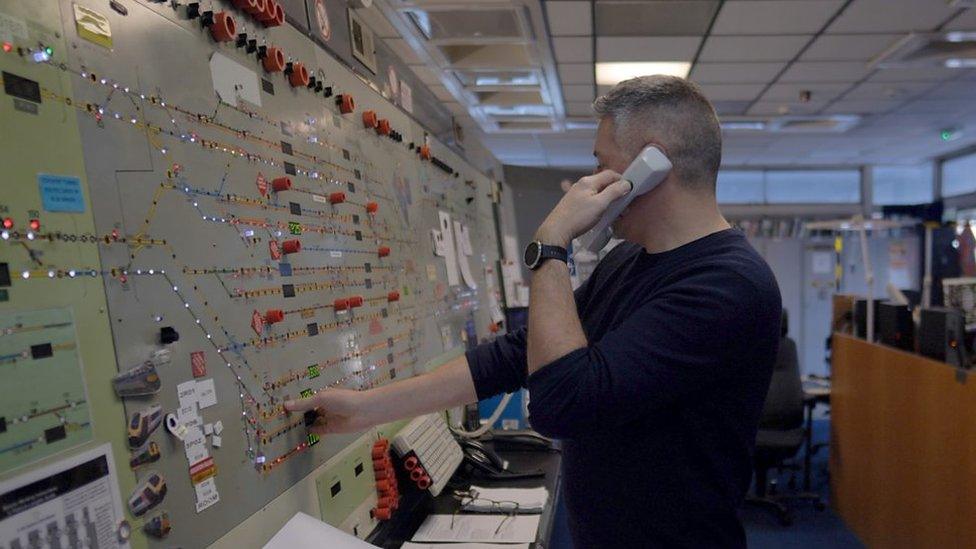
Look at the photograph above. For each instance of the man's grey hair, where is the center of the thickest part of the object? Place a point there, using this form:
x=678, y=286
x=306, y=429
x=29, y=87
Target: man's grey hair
x=672, y=112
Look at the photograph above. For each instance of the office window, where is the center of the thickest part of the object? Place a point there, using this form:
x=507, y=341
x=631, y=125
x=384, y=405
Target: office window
x=902, y=184
x=959, y=175
x=740, y=187
x=813, y=186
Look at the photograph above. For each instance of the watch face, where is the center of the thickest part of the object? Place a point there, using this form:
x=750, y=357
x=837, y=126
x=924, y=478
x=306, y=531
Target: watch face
x=532, y=254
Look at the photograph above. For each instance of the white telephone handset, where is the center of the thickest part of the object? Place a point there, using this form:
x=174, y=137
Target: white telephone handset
x=644, y=173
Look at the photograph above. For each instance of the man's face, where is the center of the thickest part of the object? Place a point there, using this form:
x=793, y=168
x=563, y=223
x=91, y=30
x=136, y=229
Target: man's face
x=609, y=156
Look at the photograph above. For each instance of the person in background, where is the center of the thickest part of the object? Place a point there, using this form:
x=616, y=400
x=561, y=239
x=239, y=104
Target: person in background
x=654, y=373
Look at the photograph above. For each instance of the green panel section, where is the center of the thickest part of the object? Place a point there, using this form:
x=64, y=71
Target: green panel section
x=42, y=138
x=43, y=406
x=340, y=489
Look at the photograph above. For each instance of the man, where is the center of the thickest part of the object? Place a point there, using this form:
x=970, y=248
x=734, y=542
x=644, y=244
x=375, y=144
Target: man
x=654, y=375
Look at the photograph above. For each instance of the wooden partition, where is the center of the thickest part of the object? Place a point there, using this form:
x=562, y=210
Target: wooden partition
x=902, y=447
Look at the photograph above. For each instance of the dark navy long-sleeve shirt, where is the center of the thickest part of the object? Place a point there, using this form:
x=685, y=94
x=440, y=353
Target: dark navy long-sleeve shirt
x=658, y=413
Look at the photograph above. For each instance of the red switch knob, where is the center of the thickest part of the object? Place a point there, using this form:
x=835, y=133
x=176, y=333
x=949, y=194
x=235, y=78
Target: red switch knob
x=411, y=463
x=417, y=473
x=291, y=246
x=250, y=6
x=423, y=483
x=385, y=502
x=279, y=16
x=372, y=207
x=267, y=12
x=383, y=485
x=369, y=119
x=340, y=304
x=383, y=127
x=383, y=251
x=382, y=514
x=383, y=474
x=346, y=103
x=281, y=184
x=356, y=301
x=393, y=296
x=337, y=198
x=274, y=60
x=224, y=29
x=425, y=152
x=273, y=316
x=381, y=465
x=379, y=454
x=299, y=76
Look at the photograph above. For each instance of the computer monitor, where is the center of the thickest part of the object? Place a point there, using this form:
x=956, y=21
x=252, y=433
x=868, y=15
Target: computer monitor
x=942, y=336
x=860, y=318
x=896, y=325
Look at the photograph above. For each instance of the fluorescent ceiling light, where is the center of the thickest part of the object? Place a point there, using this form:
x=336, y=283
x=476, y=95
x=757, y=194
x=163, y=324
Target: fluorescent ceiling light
x=608, y=74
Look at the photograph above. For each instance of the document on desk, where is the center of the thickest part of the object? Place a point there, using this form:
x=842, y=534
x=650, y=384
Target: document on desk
x=478, y=528
x=501, y=500
x=412, y=545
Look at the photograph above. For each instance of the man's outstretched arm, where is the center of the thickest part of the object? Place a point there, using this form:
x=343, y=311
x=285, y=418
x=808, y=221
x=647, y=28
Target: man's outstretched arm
x=349, y=411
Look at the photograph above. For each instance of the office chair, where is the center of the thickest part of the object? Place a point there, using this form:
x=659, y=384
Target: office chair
x=781, y=429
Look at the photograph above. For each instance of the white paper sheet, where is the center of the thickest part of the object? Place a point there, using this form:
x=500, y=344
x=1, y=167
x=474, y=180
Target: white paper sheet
x=206, y=393
x=305, y=532
x=450, y=255
x=233, y=81
x=478, y=528
x=86, y=500
x=462, y=258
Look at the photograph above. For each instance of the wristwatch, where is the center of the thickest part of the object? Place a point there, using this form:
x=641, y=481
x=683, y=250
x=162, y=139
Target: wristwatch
x=536, y=253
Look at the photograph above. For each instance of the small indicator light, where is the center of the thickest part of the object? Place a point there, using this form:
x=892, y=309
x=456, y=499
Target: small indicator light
x=8, y=47
x=8, y=223
x=35, y=224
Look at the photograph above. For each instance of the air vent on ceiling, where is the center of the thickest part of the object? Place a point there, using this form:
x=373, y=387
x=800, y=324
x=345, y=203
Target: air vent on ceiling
x=813, y=124
x=954, y=49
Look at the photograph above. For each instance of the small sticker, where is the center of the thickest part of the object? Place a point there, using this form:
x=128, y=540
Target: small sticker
x=93, y=26
x=313, y=439
x=359, y=235
x=306, y=393
x=257, y=323
x=206, y=493
x=274, y=249
x=198, y=363
x=267, y=86
x=368, y=267
x=335, y=254
x=295, y=208
x=186, y=392
x=312, y=329
x=288, y=290
x=294, y=227
x=262, y=184
x=284, y=269
x=61, y=193
x=313, y=371
x=319, y=198
x=355, y=219
x=206, y=393
x=290, y=168
x=351, y=186
x=286, y=148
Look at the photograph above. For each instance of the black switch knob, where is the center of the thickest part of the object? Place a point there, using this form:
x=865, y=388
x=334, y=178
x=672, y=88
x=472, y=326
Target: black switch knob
x=262, y=52
x=310, y=417
x=328, y=91
x=168, y=334
x=319, y=87
x=193, y=10
x=207, y=18
x=311, y=82
x=289, y=68
x=241, y=40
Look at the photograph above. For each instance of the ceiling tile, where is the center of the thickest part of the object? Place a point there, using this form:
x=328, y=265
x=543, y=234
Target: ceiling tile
x=669, y=18
x=441, y=93
x=648, y=48
x=569, y=18
x=752, y=48
x=577, y=92
x=403, y=51
x=964, y=21
x=576, y=73
x=573, y=49
x=953, y=90
x=729, y=108
x=456, y=108
x=891, y=16
x=790, y=92
x=889, y=90
x=931, y=74
x=773, y=108
x=848, y=47
x=581, y=108
x=764, y=17
x=824, y=71
x=861, y=106
x=732, y=92
x=735, y=73
x=928, y=106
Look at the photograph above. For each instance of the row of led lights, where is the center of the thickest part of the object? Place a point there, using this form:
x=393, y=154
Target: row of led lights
x=8, y=225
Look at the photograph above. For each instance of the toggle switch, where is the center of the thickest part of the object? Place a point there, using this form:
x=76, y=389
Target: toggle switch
x=281, y=184
x=291, y=246
x=267, y=12
x=298, y=75
x=424, y=482
x=383, y=127
x=193, y=10
x=383, y=251
x=393, y=296
x=168, y=334
x=340, y=304
x=337, y=198
x=372, y=207
x=278, y=18
x=425, y=152
x=356, y=301
x=411, y=463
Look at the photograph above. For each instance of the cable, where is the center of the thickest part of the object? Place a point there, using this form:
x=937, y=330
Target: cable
x=487, y=425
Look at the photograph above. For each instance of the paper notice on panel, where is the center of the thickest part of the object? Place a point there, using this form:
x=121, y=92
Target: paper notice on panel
x=78, y=496
x=462, y=258
x=206, y=393
x=233, y=81
x=464, y=243
x=510, y=247
x=450, y=256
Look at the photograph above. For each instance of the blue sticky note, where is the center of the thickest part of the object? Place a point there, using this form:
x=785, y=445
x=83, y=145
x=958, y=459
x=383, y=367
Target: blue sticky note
x=61, y=193
x=284, y=269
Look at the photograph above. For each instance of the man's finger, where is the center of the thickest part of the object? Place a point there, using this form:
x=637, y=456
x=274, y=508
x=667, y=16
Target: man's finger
x=617, y=189
x=604, y=179
x=300, y=405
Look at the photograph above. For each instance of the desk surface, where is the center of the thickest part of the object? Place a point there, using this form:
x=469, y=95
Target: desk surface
x=417, y=506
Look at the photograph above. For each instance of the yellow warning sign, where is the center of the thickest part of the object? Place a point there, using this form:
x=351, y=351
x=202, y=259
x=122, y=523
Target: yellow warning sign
x=93, y=26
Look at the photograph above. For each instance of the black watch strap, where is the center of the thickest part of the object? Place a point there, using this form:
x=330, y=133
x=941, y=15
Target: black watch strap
x=546, y=252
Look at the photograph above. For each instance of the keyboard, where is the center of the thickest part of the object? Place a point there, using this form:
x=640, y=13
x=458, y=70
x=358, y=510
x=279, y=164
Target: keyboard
x=439, y=455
